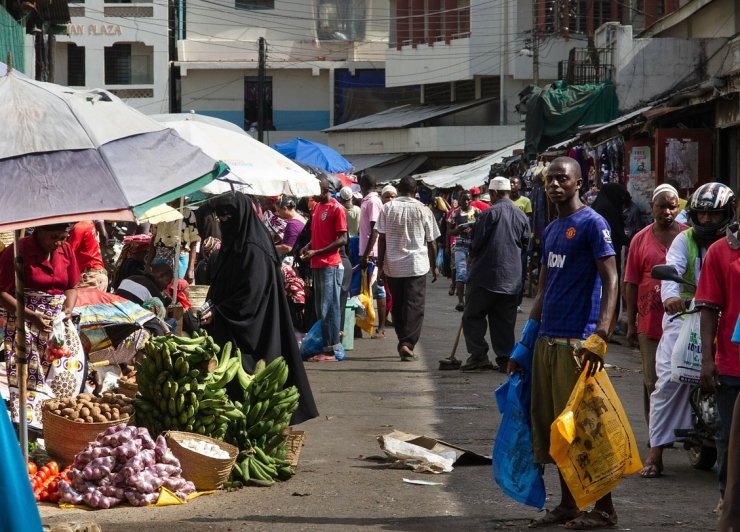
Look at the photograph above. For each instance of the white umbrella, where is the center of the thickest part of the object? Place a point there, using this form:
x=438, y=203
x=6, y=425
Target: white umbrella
x=254, y=167
x=160, y=213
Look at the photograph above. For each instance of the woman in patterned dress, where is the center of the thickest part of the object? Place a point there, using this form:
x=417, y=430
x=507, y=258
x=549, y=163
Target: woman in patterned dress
x=50, y=276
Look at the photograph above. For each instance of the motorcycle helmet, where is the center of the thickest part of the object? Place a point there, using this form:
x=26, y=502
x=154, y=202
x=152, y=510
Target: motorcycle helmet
x=712, y=198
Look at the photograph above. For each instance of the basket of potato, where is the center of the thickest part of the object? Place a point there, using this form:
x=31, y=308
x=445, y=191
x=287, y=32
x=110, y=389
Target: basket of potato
x=70, y=423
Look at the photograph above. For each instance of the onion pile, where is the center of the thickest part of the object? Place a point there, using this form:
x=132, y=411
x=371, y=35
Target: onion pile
x=123, y=464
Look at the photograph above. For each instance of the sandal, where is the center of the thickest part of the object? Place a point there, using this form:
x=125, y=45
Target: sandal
x=407, y=355
x=592, y=520
x=451, y=291
x=378, y=335
x=652, y=470
x=557, y=516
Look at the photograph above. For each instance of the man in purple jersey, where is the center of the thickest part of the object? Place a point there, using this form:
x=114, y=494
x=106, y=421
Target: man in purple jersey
x=573, y=310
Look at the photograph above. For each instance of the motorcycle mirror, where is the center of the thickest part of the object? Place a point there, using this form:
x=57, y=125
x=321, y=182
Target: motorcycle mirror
x=665, y=272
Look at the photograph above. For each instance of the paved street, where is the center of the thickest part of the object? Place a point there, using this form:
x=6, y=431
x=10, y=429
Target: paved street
x=371, y=393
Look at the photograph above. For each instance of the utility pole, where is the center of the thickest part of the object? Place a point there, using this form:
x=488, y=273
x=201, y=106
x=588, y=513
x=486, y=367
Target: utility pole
x=261, y=91
x=535, y=57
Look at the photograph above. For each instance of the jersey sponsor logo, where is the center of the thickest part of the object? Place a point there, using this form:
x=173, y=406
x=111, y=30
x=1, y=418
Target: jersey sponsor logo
x=555, y=260
x=570, y=233
x=324, y=215
x=607, y=236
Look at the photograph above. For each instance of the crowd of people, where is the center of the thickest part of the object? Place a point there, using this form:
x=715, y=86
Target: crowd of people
x=277, y=266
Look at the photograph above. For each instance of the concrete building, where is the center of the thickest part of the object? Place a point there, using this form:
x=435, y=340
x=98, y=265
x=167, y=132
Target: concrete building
x=459, y=51
x=118, y=46
x=314, y=50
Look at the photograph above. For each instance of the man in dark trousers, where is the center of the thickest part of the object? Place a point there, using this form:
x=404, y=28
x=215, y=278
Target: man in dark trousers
x=499, y=236
x=407, y=251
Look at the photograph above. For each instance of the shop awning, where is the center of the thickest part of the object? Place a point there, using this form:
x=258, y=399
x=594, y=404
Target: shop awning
x=363, y=161
x=472, y=174
x=396, y=170
x=404, y=116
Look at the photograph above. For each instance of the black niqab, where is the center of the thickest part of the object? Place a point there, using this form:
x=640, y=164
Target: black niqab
x=250, y=308
x=609, y=204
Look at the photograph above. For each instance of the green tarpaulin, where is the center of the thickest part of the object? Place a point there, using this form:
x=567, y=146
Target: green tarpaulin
x=11, y=40
x=554, y=114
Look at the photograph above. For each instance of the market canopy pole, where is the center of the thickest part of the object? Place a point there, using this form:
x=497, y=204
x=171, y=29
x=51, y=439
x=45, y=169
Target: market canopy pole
x=21, y=360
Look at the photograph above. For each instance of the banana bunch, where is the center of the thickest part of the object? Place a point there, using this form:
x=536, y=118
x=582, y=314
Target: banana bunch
x=256, y=467
x=268, y=408
x=176, y=392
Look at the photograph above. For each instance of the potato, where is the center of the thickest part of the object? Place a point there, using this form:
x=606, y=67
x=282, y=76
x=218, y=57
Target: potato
x=95, y=410
x=100, y=418
x=105, y=407
x=68, y=412
x=57, y=412
x=115, y=416
x=128, y=409
x=84, y=411
x=88, y=419
x=78, y=420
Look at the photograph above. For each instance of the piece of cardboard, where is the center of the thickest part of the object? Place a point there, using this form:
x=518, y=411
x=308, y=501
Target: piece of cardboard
x=464, y=456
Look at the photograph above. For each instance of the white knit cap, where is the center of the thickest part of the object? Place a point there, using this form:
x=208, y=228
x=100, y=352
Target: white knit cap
x=500, y=183
x=665, y=187
x=389, y=188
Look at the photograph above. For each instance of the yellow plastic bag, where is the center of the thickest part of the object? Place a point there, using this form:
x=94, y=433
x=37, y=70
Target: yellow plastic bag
x=366, y=322
x=592, y=441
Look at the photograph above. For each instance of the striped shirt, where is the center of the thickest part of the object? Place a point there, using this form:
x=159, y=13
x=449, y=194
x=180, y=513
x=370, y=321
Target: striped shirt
x=408, y=226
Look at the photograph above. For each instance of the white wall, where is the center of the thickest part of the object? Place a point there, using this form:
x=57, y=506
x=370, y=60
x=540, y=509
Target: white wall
x=652, y=67
x=95, y=31
x=429, y=139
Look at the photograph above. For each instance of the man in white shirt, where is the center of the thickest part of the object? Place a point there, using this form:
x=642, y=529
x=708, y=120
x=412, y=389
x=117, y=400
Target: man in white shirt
x=406, y=252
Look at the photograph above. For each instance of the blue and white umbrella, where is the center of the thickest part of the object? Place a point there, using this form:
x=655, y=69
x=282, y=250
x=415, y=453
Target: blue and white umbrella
x=69, y=154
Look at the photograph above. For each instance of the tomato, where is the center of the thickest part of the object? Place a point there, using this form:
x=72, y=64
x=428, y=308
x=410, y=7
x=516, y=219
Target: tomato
x=44, y=495
x=34, y=484
x=53, y=485
x=37, y=496
x=54, y=467
x=54, y=497
x=32, y=469
x=43, y=474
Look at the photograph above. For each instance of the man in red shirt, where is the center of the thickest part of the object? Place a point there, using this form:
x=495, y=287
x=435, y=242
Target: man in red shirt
x=328, y=234
x=83, y=239
x=476, y=201
x=716, y=296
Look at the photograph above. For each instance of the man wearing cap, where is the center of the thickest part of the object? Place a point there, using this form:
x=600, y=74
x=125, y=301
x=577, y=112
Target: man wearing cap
x=499, y=236
x=368, y=248
x=353, y=211
x=526, y=207
x=476, y=200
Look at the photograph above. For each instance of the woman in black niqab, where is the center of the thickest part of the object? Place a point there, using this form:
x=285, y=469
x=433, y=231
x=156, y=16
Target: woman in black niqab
x=249, y=304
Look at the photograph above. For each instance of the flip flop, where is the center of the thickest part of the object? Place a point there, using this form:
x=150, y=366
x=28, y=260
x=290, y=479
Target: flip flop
x=651, y=470
x=592, y=520
x=407, y=355
x=378, y=335
x=557, y=517
x=322, y=358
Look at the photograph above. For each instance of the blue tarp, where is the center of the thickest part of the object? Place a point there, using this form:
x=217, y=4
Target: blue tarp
x=315, y=154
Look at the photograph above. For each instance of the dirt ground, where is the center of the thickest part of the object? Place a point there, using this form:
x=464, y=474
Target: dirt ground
x=371, y=393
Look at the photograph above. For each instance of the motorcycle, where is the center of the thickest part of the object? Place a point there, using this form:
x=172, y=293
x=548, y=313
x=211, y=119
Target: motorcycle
x=699, y=440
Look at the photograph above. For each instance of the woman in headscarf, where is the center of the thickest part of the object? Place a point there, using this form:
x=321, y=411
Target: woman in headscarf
x=249, y=304
x=609, y=204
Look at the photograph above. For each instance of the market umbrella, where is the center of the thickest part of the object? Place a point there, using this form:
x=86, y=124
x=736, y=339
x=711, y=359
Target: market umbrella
x=315, y=154
x=68, y=154
x=254, y=167
x=160, y=213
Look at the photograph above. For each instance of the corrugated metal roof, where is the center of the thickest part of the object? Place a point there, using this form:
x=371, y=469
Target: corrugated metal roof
x=398, y=169
x=404, y=116
x=472, y=174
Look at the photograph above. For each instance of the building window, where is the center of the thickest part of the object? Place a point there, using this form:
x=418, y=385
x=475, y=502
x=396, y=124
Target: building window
x=254, y=4
x=340, y=20
x=251, y=103
x=129, y=64
x=75, y=65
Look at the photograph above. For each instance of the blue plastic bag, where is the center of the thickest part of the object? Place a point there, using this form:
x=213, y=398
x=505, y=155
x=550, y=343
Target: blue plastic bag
x=313, y=342
x=513, y=467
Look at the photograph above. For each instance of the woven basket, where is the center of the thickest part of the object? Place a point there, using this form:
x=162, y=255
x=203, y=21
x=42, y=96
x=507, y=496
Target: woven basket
x=65, y=438
x=295, y=442
x=205, y=472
